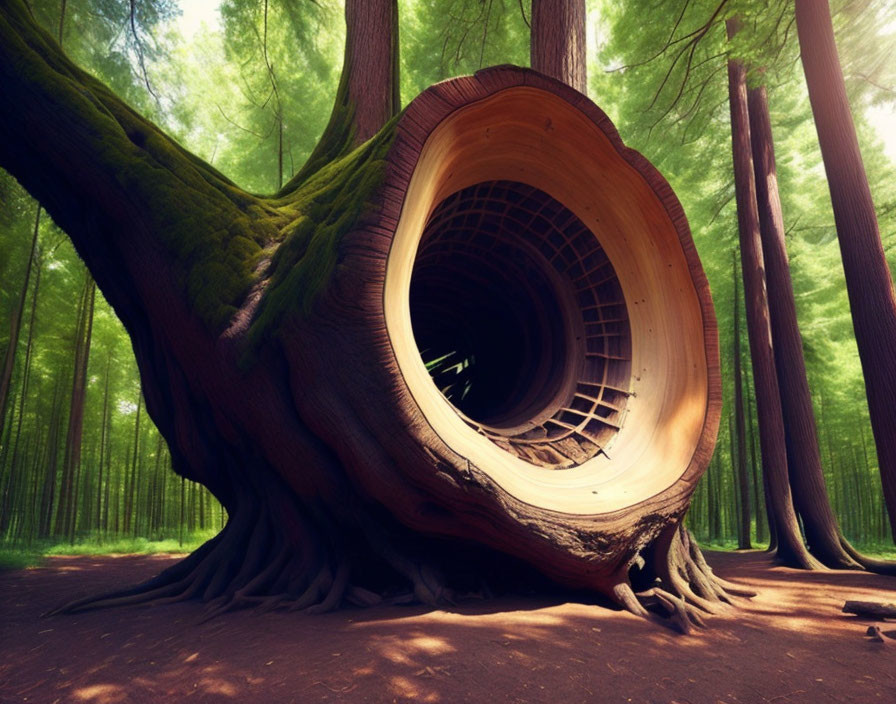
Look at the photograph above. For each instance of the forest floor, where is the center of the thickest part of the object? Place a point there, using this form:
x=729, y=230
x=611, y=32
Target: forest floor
x=789, y=644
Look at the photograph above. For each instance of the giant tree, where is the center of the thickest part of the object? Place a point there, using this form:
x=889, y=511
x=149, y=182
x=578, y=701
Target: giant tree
x=470, y=334
x=872, y=297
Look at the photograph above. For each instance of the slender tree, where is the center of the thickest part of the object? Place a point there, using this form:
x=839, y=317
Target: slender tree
x=790, y=547
x=66, y=511
x=803, y=456
x=15, y=321
x=740, y=426
x=872, y=297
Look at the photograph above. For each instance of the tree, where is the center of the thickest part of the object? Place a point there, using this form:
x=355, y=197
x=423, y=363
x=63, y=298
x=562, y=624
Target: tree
x=558, y=41
x=283, y=341
x=803, y=454
x=872, y=297
x=789, y=544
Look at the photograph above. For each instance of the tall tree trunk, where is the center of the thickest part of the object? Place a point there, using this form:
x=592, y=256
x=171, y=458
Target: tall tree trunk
x=131, y=482
x=65, y=513
x=790, y=547
x=369, y=89
x=740, y=426
x=15, y=322
x=872, y=298
x=810, y=495
x=104, y=429
x=758, y=492
x=557, y=43
x=48, y=493
x=10, y=483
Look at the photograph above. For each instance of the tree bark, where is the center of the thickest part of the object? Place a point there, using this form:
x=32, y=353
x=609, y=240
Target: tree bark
x=67, y=509
x=869, y=283
x=810, y=495
x=6, y=503
x=557, y=43
x=740, y=425
x=15, y=321
x=369, y=89
x=790, y=547
x=268, y=329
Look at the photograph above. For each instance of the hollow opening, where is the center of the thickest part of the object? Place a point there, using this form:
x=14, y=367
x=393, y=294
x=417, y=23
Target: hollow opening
x=519, y=318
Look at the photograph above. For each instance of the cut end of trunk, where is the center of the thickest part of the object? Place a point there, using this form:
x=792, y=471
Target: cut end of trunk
x=543, y=299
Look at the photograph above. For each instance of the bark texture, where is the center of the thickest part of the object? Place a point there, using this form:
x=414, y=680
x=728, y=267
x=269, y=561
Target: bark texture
x=558, y=41
x=790, y=547
x=869, y=283
x=803, y=453
x=269, y=362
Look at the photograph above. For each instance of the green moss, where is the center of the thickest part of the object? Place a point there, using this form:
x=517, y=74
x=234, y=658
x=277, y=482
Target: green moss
x=214, y=234
x=325, y=208
x=211, y=230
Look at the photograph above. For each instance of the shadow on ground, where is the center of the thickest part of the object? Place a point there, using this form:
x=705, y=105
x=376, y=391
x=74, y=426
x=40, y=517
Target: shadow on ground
x=789, y=644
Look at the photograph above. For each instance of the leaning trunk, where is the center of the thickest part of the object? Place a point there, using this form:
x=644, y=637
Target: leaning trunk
x=872, y=298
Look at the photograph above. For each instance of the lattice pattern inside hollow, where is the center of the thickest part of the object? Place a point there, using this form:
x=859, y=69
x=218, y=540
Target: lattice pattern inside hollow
x=520, y=319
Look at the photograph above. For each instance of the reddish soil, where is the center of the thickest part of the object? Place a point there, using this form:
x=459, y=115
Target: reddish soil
x=789, y=644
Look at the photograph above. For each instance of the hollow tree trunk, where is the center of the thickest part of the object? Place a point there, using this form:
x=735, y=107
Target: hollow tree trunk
x=283, y=342
x=869, y=284
x=790, y=547
x=557, y=43
x=810, y=495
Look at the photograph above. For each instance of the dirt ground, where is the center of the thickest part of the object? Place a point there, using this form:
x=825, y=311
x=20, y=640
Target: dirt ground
x=789, y=644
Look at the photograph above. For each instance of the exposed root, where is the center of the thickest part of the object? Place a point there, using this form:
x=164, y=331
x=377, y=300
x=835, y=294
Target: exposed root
x=254, y=563
x=685, y=587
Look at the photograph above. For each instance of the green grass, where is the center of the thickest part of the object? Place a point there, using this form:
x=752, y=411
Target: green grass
x=13, y=557
x=18, y=559
x=883, y=551
x=95, y=545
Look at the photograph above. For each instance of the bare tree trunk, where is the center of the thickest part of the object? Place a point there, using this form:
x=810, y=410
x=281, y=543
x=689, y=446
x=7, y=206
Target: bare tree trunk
x=557, y=42
x=48, y=493
x=131, y=482
x=790, y=547
x=369, y=89
x=872, y=298
x=743, y=532
x=803, y=456
x=758, y=493
x=104, y=427
x=10, y=483
x=15, y=322
x=65, y=514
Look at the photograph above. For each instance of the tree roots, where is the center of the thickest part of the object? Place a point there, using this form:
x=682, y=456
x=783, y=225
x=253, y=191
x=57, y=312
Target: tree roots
x=253, y=564
x=683, y=588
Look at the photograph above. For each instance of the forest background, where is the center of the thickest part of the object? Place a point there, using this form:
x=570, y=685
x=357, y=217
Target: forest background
x=248, y=86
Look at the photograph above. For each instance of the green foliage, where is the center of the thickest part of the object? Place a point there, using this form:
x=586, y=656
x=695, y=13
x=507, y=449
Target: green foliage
x=443, y=38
